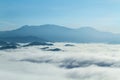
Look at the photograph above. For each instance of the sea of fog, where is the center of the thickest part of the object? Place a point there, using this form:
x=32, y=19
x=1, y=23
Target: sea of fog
x=78, y=62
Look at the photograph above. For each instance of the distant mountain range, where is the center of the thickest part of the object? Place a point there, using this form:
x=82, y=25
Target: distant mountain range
x=56, y=33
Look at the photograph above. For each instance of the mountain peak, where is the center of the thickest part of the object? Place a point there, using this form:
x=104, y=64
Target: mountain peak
x=87, y=28
x=45, y=26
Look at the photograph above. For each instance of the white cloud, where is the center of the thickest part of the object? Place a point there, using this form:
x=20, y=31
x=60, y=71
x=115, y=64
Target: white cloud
x=80, y=62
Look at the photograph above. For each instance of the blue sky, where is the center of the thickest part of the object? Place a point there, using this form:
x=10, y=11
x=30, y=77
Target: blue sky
x=100, y=14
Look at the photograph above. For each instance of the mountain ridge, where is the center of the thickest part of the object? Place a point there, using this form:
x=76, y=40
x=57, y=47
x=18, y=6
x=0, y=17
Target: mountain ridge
x=56, y=33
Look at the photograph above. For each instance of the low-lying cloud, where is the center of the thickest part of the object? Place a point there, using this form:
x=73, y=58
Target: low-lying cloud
x=79, y=62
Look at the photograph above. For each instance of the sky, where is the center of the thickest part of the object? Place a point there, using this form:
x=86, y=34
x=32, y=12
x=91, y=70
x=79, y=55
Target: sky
x=100, y=14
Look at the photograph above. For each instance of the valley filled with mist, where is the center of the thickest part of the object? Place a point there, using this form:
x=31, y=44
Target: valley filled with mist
x=60, y=61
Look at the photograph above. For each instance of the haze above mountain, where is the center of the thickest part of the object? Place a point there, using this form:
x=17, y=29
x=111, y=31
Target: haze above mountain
x=56, y=33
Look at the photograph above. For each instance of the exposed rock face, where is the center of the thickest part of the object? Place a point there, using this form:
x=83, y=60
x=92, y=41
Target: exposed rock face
x=51, y=49
x=55, y=49
x=8, y=45
x=3, y=43
x=39, y=43
x=69, y=45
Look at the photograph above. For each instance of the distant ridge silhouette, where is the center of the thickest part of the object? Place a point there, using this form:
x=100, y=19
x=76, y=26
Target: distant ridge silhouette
x=56, y=33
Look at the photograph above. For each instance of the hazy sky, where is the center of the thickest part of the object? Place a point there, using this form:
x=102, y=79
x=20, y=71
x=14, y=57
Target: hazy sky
x=101, y=14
